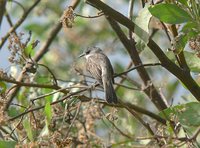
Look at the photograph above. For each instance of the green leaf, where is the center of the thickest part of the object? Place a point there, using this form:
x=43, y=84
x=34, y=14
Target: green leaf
x=187, y=114
x=170, y=13
x=27, y=50
x=193, y=61
x=37, y=28
x=2, y=87
x=143, y=18
x=7, y=144
x=48, y=112
x=180, y=43
x=190, y=29
x=12, y=112
x=27, y=126
x=184, y=2
x=142, y=21
x=190, y=114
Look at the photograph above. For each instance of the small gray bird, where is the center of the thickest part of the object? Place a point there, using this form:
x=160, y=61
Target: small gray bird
x=99, y=66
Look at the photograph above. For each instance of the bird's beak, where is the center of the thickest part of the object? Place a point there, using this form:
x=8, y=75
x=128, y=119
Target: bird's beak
x=81, y=55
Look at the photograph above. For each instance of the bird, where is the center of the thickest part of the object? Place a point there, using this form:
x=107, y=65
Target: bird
x=99, y=66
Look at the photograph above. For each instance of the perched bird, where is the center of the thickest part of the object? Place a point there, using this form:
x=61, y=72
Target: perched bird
x=99, y=66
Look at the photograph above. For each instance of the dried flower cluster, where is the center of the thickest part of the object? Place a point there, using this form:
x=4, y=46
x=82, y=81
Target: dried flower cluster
x=18, y=48
x=194, y=44
x=5, y=75
x=67, y=18
x=15, y=46
x=3, y=114
x=20, y=51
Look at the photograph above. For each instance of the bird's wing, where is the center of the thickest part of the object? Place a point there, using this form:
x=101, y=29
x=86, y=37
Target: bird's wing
x=108, y=67
x=94, y=68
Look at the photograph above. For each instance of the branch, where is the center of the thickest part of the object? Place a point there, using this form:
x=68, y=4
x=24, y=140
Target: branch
x=137, y=109
x=2, y=10
x=136, y=67
x=53, y=33
x=75, y=116
x=19, y=22
x=55, y=102
x=145, y=124
x=19, y=83
x=84, y=98
x=181, y=74
x=150, y=90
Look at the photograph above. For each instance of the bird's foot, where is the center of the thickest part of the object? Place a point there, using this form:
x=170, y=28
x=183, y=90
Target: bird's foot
x=94, y=85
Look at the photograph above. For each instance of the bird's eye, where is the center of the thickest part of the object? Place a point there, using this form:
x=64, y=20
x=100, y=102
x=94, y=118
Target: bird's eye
x=87, y=52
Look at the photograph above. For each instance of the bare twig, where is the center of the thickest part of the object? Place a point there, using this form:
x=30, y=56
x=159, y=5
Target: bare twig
x=96, y=16
x=119, y=130
x=137, y=109
x=136, y=67
x=55, y=30
x=181, y=74
x=55, y=102
x=75, y=116
x=54, y=77
x=130, y=46
x=19, y=22
x=145, y=124
x=130, y=16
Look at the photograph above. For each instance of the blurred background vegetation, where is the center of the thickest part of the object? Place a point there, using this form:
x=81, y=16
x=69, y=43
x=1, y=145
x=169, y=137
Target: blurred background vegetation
x=82, y=118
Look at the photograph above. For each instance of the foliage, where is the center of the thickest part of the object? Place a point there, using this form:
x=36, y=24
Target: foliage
x=48, y=99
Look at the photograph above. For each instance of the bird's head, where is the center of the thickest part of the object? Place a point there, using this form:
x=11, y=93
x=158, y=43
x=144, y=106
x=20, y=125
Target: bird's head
x=91, y=50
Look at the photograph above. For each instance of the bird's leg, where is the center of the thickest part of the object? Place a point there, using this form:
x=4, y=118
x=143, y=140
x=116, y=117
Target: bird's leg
x=95, y=84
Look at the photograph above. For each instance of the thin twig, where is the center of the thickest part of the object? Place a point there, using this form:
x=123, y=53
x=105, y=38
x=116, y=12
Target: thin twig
x=54, y=77
x=128, y=87
x=151, y=91
x=41, y=52
x=96, y=16
x=75, y=116
x=19, y=83
x=19, y=22
x=137, y=109
x=119, y=130
x=59, y=90
x=136, y=67
x=55, y=102
x=130, y=16
x=145, y=124
x=191, y=85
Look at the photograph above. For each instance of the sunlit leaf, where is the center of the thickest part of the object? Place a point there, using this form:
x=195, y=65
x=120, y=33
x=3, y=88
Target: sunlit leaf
x=142, y=21
x=27, y=126
x=48, y=112
x=193, y=61
x=180, y=43
x=191, y=58
x=2, y=87
x=7, y=144
x=12, y=112
x=184, y=2
x=143, y=18
x=170, y=13
x=188, y=114
x=27, y=50
x=38, y=28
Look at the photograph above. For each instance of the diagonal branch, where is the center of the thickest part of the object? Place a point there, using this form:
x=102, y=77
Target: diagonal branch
x=182, y=75
x=20, y=21
x=53, y=33
x=150, y=91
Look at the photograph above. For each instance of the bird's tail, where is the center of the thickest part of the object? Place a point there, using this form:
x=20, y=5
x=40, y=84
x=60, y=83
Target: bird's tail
x=110, y=94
